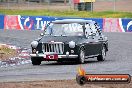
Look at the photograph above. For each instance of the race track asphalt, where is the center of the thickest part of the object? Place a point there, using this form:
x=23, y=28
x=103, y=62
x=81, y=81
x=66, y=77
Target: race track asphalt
x=118, y=60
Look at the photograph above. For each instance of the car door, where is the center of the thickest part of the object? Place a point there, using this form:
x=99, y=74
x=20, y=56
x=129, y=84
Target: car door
x=92, y=45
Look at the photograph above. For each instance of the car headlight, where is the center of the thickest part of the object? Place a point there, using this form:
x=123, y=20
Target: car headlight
x=34, y=44
x=72, y=44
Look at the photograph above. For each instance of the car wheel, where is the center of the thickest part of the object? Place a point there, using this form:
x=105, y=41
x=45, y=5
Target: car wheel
x=35, y=61
x=102, y=56
x=81, y=59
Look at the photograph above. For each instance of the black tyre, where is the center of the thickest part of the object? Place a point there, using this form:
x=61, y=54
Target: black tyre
x=81, y=58
x=35, y=61
x=103, y=55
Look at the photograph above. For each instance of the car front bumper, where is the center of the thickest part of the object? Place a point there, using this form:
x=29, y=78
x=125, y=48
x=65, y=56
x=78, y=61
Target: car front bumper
x=59, y=56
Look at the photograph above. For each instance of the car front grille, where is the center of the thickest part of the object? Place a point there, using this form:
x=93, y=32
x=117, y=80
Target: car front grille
x=56, y=47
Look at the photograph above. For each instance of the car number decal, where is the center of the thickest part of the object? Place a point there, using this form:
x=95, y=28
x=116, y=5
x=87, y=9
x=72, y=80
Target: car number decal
x=52, y=57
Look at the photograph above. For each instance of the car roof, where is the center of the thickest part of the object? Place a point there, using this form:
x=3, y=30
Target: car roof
x=72, y=21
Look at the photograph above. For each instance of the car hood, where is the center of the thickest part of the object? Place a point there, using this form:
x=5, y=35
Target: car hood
x=64, y=39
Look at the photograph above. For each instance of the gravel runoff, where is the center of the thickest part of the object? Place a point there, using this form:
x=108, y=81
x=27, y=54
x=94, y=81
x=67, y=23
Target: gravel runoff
x=19, y=38
x=118, y=60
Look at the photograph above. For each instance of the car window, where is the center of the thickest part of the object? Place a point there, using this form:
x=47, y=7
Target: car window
x=88, y=29
x=71, y=29
x=48, y=30
x=94, y=30
x=97, y=26
x=91, y=28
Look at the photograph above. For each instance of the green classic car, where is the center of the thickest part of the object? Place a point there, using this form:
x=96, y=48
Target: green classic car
x=69, y=39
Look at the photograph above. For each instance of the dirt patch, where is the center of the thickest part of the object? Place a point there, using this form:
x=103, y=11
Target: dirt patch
x=6, y=52
x=60, y=84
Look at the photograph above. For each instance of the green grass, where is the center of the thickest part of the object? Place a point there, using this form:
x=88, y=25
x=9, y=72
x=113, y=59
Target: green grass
x=6, y=50
x=105, y=14
x=6, y=53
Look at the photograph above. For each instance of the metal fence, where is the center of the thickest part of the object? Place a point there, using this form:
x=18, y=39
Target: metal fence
x=98, y=5
x=35, y=4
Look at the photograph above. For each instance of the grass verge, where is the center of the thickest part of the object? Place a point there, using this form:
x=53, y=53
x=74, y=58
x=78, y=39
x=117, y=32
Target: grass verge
x=6, y=52
x=104, y=14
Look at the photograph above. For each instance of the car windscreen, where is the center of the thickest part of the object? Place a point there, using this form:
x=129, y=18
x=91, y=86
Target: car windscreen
x=65, y=29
